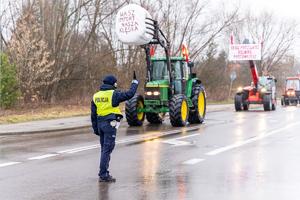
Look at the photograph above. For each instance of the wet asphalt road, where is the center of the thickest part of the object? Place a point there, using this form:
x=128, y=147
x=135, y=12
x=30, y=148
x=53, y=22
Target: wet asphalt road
x=246, y=155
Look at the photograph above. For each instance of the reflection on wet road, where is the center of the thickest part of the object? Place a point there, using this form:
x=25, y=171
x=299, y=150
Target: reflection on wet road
x=246, y=155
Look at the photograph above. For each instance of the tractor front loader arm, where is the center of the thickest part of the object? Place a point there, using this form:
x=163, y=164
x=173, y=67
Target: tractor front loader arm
x=254, y=73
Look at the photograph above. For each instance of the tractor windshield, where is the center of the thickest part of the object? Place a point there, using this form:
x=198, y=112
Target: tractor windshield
x=159, y=70
x=293, y=84
x=263, y=82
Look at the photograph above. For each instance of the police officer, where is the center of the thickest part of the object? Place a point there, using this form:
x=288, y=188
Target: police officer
x=106, y=116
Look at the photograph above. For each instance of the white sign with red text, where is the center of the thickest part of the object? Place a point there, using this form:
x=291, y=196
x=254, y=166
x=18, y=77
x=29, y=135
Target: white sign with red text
x=134, y=25
x=244, y=52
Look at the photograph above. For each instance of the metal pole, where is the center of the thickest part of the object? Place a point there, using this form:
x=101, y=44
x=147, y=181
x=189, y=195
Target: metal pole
x=1, y=51
x=230, y=88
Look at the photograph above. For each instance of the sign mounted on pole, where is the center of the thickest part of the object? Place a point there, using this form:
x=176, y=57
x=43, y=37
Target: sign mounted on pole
x=233, y=76
x=244, y=52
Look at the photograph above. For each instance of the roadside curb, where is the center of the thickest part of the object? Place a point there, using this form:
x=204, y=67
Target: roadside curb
x=55, y=130
x=45, y=131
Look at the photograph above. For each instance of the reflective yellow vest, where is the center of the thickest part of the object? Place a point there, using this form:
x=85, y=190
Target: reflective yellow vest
x=103, y=102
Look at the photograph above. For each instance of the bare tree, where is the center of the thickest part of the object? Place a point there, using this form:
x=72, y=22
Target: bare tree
x=276, y=35
x=30, y=53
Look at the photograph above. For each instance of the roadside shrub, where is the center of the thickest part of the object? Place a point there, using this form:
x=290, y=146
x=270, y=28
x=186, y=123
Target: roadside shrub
x=9, y=92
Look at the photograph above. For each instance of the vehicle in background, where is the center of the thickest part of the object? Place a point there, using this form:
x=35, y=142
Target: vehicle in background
x=291, y=95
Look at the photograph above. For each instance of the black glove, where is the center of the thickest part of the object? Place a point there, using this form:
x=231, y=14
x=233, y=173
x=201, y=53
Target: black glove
x=96, y=133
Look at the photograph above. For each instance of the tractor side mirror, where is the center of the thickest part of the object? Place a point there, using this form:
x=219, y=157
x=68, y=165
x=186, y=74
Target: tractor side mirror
x=191, y=64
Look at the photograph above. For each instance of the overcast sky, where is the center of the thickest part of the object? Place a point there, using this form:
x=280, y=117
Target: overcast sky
x=281, y=8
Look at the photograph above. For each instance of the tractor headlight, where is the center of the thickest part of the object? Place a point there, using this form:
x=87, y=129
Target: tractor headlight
x=291, y=93
x=240, y=89
x=149, y=93
x=156, y=93
x=263, y=90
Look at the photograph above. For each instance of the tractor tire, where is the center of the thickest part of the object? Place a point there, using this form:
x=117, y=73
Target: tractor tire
x=154, y=118
x=134, y=118
x=179, y=110
x=238, y=102
x=245, y=96
x=282, y=102
x=197, y=114
x=267, y=102
x=273, y=106
x=245, y=106
x=287, y=102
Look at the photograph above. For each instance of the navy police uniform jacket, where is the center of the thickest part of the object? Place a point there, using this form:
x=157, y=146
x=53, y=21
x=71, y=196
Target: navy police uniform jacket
x=117, y=98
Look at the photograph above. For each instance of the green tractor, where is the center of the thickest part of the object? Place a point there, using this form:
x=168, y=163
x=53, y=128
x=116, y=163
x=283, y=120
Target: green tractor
x=171, y=87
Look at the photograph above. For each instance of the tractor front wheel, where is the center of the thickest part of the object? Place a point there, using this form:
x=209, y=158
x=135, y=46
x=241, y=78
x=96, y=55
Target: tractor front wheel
x=133, y=115
x=199, y=101
x=179, y=110
x=267, y=101
x=274, y=105
x=282, y=101
x=238, y=102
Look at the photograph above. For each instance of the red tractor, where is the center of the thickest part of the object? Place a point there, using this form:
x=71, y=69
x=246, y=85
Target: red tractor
x=261, y=91
x=291, y=94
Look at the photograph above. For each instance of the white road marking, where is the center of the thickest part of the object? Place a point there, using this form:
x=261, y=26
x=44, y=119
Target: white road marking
x=9, y=164
x=177, y=142
x=193, y=161
x=84, y=149
x=187, y=136
x=95, y=146
x=78, y=149
x=254, y=139
x=43, y=156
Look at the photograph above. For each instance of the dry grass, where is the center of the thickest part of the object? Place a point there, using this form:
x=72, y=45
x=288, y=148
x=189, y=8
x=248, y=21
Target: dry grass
x=41, y=113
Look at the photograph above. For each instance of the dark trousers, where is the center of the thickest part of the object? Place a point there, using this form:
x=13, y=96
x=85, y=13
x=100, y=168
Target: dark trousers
x=107, y=142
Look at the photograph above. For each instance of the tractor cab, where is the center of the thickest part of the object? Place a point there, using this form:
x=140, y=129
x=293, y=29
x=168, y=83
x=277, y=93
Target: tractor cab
x=292, y=84
x=180, y=73
x=291, y=94
x=267, y=84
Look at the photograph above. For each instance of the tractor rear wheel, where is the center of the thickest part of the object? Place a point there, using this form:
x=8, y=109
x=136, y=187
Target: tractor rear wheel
x=135, y=118
x=246, y=106
x=267, y=101
x=197, y=115
x=238, y=102
x=273, y=106
x=282, y=102
x=154, y=118
x=179, y=110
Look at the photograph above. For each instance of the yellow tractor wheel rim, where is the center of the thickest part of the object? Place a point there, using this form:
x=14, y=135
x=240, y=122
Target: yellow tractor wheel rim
x=201, y=104
x=184, y=110
x=140, y=115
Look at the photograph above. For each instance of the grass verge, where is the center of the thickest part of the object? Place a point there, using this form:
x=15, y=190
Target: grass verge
x=42, y=113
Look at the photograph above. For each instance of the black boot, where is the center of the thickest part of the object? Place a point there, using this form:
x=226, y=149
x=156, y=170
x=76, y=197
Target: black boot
x=108, y=179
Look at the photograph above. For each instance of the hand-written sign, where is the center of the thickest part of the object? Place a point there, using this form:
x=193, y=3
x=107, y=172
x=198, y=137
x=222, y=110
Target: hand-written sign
x=245, y=52
x=128, y=21
x=133, y=25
